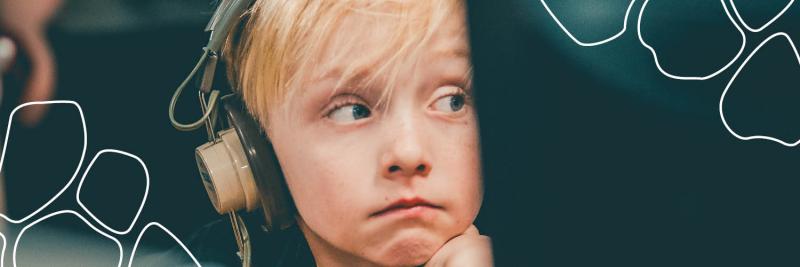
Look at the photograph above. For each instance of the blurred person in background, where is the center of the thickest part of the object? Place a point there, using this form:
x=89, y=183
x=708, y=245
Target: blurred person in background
x=113, y=57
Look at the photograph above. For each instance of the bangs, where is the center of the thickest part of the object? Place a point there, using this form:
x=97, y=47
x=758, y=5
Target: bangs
x=284, y=42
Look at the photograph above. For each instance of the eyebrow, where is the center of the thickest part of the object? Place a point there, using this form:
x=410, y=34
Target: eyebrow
x=336, y=73
x=366, y=69
x=460, y=52
x=360, y=74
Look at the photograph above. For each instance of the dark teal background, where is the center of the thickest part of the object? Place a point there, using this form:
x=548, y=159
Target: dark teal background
x=592, y=157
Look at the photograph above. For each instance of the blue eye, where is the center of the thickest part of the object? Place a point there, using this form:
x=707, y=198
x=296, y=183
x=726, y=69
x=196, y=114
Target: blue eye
x=349, y=113
x=450, y=103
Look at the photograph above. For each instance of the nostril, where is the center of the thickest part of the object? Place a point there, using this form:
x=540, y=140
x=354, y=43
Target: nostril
x=394, y=168
x=422, y=168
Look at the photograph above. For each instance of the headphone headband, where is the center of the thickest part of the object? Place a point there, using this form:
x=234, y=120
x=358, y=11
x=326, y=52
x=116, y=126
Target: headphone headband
x=227, y=14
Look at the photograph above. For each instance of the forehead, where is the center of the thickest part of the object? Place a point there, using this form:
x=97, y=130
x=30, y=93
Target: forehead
x=368, y=44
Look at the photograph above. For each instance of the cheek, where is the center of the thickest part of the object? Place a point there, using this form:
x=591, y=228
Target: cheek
x=468, y=163
x=326, y=184
x=459, y=171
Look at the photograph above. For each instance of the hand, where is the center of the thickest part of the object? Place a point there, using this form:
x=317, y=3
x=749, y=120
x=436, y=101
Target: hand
x=26, y=20
x=468, y=249
x=27, y=15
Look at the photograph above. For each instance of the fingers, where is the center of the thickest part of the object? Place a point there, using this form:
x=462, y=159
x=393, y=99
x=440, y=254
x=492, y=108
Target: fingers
x=27, y=20
x=468, y=249
x=7, y=52
x=40, y=85
x=472, y=230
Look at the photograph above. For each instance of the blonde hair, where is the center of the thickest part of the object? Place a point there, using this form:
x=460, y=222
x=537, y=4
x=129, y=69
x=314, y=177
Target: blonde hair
x=280, y=40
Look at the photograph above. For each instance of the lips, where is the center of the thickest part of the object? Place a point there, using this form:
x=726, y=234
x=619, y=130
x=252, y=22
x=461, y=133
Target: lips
x=404, y=205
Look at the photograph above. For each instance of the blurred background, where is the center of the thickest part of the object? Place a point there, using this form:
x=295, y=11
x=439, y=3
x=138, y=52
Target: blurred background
x=595, y=157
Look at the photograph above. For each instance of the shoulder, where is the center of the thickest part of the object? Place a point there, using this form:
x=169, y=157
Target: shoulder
x=213, y=244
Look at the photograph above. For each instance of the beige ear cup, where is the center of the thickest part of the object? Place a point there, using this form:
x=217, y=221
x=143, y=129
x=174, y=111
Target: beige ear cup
x=226, y=174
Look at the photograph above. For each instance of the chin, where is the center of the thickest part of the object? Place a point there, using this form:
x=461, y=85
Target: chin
x=410, y=249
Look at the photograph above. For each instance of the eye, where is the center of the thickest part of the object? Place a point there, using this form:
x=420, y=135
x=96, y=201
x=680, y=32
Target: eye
x=453, y=102
x=349, y=113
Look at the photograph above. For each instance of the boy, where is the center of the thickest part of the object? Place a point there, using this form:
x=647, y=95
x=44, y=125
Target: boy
x=368, y=106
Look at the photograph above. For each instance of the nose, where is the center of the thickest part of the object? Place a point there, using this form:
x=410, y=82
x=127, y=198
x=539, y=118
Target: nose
x=406, y=156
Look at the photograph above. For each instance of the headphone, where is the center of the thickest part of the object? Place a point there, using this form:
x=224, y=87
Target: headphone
x=238, y=166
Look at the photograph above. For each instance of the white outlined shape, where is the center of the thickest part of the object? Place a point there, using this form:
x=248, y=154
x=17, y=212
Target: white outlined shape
x=77, y=169
x=22, y=232
x=144, y=198
x=736, y=12
x=722, y=99
x=655, y=54
x=581, y=43
x=68, y=184
x=141, y=233
x=3, y=252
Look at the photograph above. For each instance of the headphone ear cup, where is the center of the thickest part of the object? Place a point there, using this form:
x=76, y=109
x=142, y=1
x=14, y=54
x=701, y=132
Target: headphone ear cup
x=226, y=174
x=266, y=172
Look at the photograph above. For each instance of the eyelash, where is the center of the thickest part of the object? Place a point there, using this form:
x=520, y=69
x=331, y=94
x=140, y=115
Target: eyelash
x=458, y=91
x=350, y=99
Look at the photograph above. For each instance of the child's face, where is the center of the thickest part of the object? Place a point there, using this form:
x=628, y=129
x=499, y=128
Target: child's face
x=347, y=159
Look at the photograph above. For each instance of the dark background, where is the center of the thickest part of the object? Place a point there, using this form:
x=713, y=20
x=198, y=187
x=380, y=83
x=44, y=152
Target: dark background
x=592, y=157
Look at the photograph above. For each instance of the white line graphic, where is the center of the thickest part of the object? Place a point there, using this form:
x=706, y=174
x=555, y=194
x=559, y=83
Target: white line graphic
x=139, y=238
x=78, y=168
x=16, y=242
x=3, y=252
x=736, y=11
x=144, y=198
x=709, y=76
x=77, y=195
x=722, y=99
x=581, y=43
